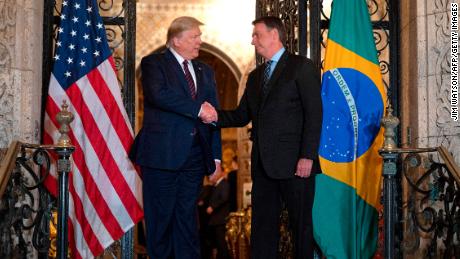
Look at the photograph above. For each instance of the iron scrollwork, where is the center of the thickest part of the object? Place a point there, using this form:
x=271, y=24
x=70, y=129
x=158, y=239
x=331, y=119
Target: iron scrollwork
x=433, y=209
x=26, y=207
x=289, y=11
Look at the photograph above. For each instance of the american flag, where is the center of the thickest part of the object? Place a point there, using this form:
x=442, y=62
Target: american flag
x=105, y=189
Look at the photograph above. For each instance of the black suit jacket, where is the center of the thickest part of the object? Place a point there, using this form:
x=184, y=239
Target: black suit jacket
x=220, y=203
x=171, y=115
x=286, y=121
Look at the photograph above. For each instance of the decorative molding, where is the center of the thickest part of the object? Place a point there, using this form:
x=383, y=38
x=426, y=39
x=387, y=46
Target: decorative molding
x=20, y=71
x=447, y=131
x=7, y=97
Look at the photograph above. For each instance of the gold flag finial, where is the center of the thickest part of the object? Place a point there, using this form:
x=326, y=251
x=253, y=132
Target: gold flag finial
x=64, y=118
x=389, y=123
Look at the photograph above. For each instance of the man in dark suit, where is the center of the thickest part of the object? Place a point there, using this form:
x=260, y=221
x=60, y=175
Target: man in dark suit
x=218, y=210
x=203, y=216
x=174, y=148
x=282, y=99
x=232, y=182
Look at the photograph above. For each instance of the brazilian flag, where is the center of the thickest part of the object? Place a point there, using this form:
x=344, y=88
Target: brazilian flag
x=347, y=194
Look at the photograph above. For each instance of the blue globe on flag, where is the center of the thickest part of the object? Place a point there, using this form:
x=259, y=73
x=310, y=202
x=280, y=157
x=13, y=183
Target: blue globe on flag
x=352, y=106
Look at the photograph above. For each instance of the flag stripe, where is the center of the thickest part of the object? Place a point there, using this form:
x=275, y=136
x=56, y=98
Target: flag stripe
x=103, y=208
x=73, y=248
x=93, y=191
x=102, y=151
x=109, y=194
x=104, y=230
x=88, y=233
x=81, y=247
x=106, y=69
x=81, y=219
x=105, y=187
x=85, y=210
x=115, y=146
x=93, y=194
x=102, y=91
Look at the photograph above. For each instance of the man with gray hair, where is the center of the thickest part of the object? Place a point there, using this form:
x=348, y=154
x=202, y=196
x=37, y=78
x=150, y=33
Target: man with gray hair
x=174, y=148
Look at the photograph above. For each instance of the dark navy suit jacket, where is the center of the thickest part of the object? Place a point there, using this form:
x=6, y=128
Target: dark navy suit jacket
x=171, y=115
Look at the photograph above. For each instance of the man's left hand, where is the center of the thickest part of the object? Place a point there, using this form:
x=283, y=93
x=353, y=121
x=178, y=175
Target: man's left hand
x=304, y=166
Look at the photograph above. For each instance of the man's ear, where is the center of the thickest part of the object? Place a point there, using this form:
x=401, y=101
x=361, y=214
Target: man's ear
x=275, y=34
x=175, y=41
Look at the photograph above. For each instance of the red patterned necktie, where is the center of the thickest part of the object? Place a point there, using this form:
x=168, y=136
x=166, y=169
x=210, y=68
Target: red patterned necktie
x=189, y=78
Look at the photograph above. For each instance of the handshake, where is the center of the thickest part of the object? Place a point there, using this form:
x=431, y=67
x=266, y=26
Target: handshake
x=208, y=113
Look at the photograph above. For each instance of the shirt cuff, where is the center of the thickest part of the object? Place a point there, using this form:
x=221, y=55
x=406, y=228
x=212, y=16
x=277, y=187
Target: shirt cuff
x=199, y=112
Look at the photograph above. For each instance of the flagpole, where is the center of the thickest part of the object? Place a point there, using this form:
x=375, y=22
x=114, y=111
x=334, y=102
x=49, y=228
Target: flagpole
x=389, y=123
x=127, y=240
x=64, y=149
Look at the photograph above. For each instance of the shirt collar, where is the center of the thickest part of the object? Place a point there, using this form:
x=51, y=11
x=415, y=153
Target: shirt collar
x=179, y=58
x=278, y=55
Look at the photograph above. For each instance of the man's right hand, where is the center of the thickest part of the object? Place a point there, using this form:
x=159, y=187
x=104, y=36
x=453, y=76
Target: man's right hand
x=208, y=113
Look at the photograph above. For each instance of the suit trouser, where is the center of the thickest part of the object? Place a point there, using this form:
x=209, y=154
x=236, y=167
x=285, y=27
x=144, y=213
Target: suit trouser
x=170, y=209
x=217, y=233
x=268, y=195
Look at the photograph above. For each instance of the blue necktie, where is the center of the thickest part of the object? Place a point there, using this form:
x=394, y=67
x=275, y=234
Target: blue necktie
x=266, y=76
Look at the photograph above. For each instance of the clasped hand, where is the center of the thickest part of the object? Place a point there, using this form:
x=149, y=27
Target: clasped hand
x=208, y=113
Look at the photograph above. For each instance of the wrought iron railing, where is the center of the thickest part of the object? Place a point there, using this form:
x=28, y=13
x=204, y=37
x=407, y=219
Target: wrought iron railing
x=19, y=212
x=32, y=223
x=429, y=187
x=26, y=208
x=432, y=208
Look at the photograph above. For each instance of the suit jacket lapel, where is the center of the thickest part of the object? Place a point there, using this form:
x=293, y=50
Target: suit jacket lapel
x=199, y=79
x=259, y=75
x=177, y=68
x=275, y=76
